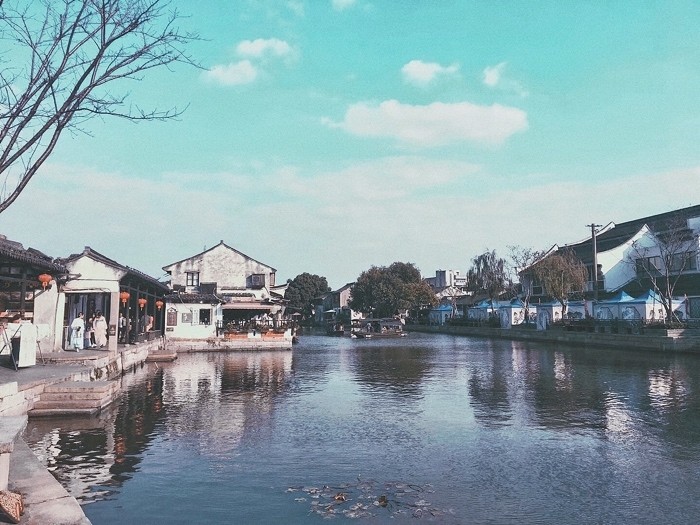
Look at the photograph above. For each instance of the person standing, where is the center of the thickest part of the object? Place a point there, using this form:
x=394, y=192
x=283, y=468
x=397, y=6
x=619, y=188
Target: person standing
x=122, y=328
x=77, y=332
x=99, y=327
x=89, y=334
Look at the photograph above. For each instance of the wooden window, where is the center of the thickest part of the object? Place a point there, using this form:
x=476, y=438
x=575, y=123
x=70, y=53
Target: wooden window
x=192, y=278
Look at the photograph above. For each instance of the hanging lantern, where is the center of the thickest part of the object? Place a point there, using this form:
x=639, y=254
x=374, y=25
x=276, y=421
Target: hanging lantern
x=159, y=304
x=45, y=279
x=142, y=302
x=124, y=296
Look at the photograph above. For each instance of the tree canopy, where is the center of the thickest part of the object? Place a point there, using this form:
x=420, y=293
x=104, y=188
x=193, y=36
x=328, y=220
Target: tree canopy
x=383, y=291
x=561, y=274
x=303, y=289
x=63, y=63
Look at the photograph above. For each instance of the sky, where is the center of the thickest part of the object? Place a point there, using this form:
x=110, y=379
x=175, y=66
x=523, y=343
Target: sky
x=328, y=136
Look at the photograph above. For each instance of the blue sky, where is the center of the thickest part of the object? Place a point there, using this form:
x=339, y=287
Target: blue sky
x=328, y=136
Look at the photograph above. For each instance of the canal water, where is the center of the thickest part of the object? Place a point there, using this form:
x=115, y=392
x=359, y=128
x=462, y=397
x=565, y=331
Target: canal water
x=421, y=429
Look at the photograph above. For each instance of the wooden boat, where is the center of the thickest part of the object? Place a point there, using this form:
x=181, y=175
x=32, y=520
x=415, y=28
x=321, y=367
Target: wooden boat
x=336, y=329
x=377, y=328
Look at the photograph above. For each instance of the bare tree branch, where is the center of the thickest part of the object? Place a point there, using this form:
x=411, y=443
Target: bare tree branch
x=77, y=52
x=660, y=258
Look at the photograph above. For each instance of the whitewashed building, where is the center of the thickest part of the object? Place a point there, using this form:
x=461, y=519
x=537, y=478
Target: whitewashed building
x=217, y=288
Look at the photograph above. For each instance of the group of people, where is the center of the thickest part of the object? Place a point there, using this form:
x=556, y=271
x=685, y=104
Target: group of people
x=133, y=327
x=88, y=334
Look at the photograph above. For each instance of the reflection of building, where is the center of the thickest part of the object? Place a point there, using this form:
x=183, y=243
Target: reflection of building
x=218, y=286
x=227, y=395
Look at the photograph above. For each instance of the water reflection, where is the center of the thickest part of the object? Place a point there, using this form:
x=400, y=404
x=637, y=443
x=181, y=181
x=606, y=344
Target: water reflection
x=395, y=370
x=489, y=388
x=503, y=431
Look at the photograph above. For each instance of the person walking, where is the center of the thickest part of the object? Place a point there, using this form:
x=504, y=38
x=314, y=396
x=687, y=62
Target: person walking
x=99, y=327
x=77, y=332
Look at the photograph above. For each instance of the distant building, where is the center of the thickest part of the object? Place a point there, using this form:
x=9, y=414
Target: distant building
x=447, y=279
x=333, y=304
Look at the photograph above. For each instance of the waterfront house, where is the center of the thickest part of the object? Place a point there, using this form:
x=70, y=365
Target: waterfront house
x=632, y=256
x=334, y=305
x=217, y=289
x=28, y=292
x=93, y=282
x=438, y=315
x=513, y=313
x=50, y=293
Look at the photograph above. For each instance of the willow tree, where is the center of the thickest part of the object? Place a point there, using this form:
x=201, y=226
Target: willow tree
x=64, y=62
x=488, y=274
x=561, y=274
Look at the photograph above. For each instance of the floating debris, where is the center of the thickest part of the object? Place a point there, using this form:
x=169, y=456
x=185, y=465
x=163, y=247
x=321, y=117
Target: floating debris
x=368, y=498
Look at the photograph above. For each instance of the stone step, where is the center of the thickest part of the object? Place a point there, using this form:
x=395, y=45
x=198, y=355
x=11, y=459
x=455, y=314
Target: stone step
x=70, y=396
x=70, y=404
x=62, y=412
x=82, y=386
x=75, y=398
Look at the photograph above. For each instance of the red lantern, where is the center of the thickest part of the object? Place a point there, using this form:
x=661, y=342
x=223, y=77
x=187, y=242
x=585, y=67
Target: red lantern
x=124, y=296
x=159, y=304
x=45, y=279
x=142, y=302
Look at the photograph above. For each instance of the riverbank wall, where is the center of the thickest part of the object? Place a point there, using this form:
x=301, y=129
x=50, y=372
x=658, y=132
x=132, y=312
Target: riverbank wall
x=681, y=342
x=224, y=345
x=46, y=500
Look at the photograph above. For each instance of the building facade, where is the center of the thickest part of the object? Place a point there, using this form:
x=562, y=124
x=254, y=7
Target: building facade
x=218, y=288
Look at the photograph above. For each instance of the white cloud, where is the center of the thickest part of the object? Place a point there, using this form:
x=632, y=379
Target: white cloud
x=435, y=124
x=262, y=47
x=493, y=76
x=256, y=55
x=341, y=5
x=422, y=73
x=243, y=72
x=372, y=208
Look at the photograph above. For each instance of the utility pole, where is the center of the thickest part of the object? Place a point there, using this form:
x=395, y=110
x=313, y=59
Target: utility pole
x=593, y=227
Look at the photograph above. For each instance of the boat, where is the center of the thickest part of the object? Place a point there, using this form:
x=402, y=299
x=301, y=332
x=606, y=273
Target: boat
x=337, y=329
x=377, y=328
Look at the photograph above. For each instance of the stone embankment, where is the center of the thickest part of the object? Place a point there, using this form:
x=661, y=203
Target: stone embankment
x=652, y=340
x=59, y=384
x=84, y=383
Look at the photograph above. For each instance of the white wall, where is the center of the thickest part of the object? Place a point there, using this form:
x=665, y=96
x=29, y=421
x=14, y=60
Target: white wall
x=190, y=329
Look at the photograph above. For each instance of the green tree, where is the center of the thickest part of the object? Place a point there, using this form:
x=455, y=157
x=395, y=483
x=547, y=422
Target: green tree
x=303, y=289
x=382, y=291
x=561, y=274
x=69, y=59
x=488, y=274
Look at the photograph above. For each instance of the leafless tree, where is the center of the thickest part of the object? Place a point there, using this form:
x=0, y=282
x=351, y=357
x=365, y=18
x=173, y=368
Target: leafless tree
x=520, y=259
x=62, y=63
x=660, y=258
x=561, y=274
